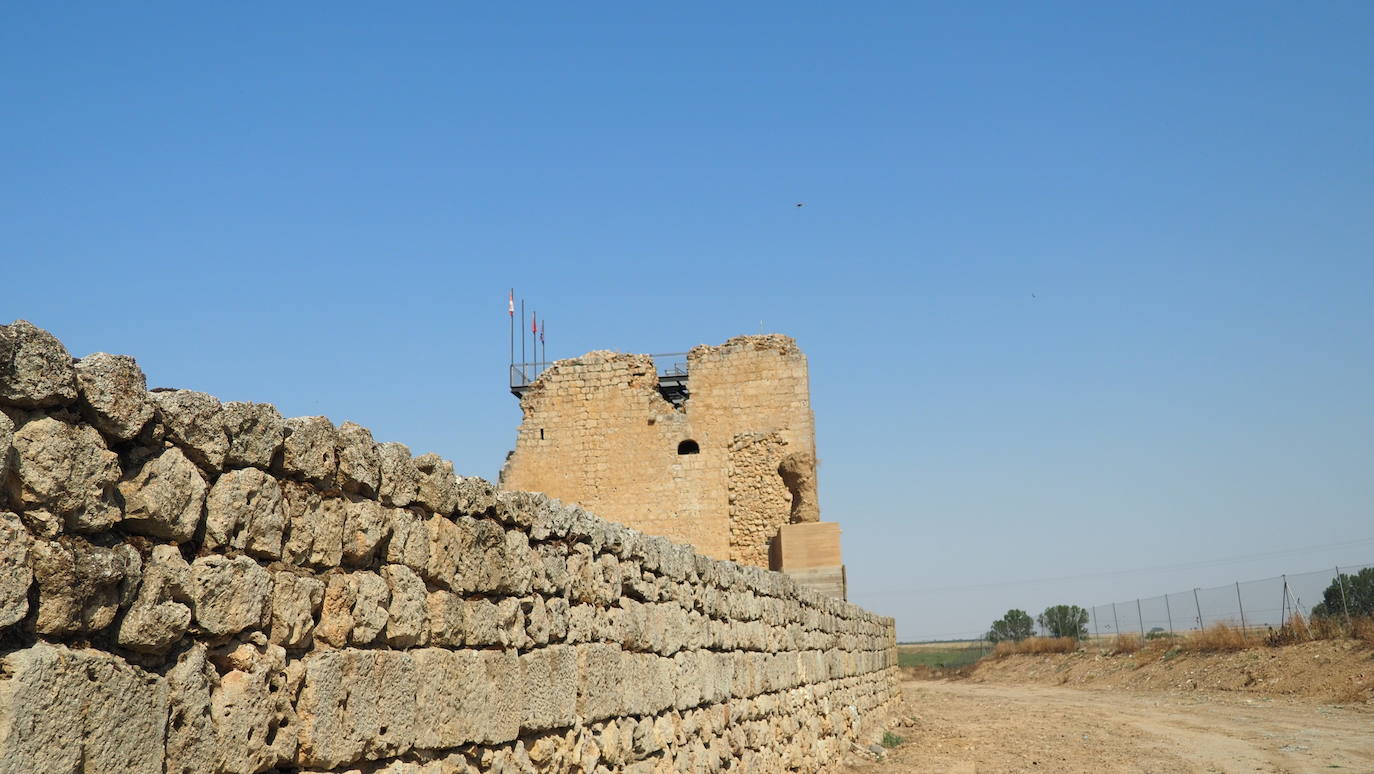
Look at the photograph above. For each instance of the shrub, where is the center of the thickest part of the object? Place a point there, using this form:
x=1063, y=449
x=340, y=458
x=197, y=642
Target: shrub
x=1127, y=643
x=891, y=740
x=1218, y=638
x=1034, y=646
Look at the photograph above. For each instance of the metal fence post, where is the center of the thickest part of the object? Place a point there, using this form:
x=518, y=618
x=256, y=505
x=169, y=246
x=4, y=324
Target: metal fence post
x=1140, y=617
x=1341, y=582
x=1115, y=620
x=1096, y=633
x=1242, y=608
x=1170, y=615
x=1198, y=605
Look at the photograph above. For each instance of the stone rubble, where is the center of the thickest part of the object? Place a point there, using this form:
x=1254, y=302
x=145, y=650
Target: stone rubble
x=190, y=586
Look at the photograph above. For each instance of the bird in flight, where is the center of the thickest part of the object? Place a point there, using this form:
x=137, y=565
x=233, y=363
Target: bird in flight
x=801, y=204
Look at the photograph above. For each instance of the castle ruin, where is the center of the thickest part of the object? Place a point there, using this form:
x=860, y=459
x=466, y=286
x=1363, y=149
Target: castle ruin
x=721, y=454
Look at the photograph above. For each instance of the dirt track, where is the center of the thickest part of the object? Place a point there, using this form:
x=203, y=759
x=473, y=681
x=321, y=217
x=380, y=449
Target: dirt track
x=966, y=727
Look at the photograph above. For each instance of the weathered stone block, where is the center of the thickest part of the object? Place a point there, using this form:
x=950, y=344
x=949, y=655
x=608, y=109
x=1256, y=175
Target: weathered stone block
x=161, y=611
x=371, y=595
x=359, y=462
x=409, y=543
x=78, y=585
x=357, y=704
x=468, y=696
x=309, y=451
x=366, y=527
x=65, y=711
x=500, y=623
x=445, y=611
x=230, y=595
x=438, y=489
x=315, y=530
x=63, y=477
x=400, y=479
x=296, y=601
x=113, y=394
x=164, y=497
x=245, y=510
x=600, y=681
x=255, y=433
x=407, y=614
x=16, y=574
x=35, y=369
x=550, y=682
x=194, y=421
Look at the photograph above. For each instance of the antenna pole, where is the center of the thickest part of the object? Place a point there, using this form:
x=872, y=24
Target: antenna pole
x=512, y=327
x=522, y=338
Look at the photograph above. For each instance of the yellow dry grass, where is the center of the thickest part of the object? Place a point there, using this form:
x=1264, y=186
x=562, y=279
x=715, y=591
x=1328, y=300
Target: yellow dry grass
x=1035, y=645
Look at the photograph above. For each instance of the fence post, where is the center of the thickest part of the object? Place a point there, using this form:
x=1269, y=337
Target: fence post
x=1242, y=609
x=1341, y=582
x=1140, y=617
x=1170, y=615
x=1198, y=605
x=1096, y=633
x=1116, y=620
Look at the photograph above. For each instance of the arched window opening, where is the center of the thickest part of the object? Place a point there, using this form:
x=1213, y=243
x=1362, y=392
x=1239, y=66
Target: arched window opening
x=688, y=447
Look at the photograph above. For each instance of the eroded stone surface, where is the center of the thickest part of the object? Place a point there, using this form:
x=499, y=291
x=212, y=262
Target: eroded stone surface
x=78, y=585
x=359, y=461
x=245, y=510
x=73, y=711
x=194, y=421
x=256, y=431
x=63, y=477
x=35, y=369
x=296, y=601
x=164, y=497
x=161, y=611
x=438, y=488
x=16, y=575
x=113, y=394
x=230, y=595
x=400, y=479
x=309, y=452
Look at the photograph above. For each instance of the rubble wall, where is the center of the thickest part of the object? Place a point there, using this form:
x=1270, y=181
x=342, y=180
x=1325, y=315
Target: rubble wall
x=596, y=432
x=195, y=586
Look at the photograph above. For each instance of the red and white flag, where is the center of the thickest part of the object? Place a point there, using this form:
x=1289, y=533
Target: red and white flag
x=510, y=305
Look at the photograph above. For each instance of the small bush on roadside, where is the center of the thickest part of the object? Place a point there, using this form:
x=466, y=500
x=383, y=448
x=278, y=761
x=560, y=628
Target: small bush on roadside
x=891, y=740
x=1035, y=646
x=1362, y=629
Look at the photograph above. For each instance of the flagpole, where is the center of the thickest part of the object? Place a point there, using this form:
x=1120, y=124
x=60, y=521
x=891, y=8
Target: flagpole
x=522, y=337
x=510, y=309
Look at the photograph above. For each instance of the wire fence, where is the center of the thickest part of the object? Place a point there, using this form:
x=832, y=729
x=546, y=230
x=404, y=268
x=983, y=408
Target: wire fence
x=1261, y=604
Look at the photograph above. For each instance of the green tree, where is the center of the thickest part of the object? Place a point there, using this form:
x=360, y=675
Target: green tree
x=1065, y=621
x=1359, y=596
x=1016, y=625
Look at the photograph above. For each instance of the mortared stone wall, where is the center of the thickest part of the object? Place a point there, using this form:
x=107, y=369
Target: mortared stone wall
x=195, y=586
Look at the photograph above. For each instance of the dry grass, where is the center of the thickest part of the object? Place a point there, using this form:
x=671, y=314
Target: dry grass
x=1218, y=638
x=1126, y=643
x=1035, y=646
x=1362, y=629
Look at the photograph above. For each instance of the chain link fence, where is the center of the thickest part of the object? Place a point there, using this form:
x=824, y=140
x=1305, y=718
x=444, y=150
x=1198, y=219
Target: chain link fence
x=1254, y=605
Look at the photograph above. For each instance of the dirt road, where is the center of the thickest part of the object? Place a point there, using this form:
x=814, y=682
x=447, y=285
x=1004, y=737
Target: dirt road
x=968, y=727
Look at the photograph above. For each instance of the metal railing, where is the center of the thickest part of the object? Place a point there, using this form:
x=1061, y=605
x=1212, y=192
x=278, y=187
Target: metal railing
x=522, y=375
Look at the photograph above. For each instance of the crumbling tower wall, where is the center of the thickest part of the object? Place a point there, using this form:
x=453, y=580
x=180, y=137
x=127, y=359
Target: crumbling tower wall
x=725, y=471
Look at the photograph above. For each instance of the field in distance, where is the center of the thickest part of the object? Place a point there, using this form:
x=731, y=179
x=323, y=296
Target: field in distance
x=941, y=655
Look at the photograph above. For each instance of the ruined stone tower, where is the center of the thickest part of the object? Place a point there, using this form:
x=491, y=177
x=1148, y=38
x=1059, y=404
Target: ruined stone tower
x=721, y=454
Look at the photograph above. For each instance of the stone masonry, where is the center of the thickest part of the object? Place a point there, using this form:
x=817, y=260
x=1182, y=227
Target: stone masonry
x=598, y=433
x=195, y=586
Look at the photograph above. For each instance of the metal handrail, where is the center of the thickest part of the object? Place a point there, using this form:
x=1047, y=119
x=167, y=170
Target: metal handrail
x=524, y=374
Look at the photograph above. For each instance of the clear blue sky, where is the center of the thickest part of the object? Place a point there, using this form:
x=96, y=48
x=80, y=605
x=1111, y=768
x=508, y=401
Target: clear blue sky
x=1084, y=287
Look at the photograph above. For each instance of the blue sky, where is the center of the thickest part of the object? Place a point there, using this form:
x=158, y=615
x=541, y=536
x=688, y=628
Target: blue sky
x=1083, y=288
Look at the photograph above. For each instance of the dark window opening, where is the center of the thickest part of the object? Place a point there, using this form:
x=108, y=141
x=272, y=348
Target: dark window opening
x=541, y=433
x=688, y=447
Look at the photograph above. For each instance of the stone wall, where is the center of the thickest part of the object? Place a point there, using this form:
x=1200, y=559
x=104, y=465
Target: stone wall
x=195, y=586
x=596, y=432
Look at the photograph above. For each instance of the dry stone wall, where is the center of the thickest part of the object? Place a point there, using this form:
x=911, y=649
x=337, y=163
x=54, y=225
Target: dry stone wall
x=195, y=586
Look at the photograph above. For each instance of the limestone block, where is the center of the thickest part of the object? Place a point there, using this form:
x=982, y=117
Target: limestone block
x=6, y=446
x=315, y=527
x=309, y=451
x=359, y=704
x=194, y=421
x=113, y=394
x=16, y=574
x=445, y=612
x=256, y=431
x=65, y=711
x=164, y=497
x=35, y=369
x=550, y=682
x=438, y=489
x=407, y=612
x=652, y=680
x=250, y=705
x=245, y=510
x=371, y=595
x=409, y=543
x=537, y=620
x=296, y=601
x=477, y=496
x=366, y=526
x=600, y=684
x=63, y=477
x=469, y=696
x=359, y=462
x=400, y=478
x=446, y=546
x=487, y=623
x=336, y=612
x=192, y=746
x=230, y=595
x=78, y=585
x=161, y=611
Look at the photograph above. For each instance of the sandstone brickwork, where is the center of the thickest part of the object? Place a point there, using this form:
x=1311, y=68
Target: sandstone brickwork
x=597, y=432
x=191, y=586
